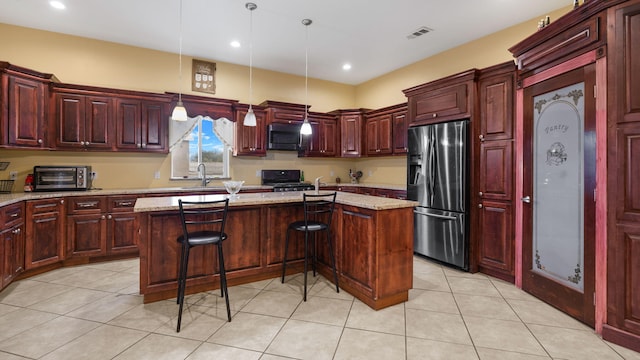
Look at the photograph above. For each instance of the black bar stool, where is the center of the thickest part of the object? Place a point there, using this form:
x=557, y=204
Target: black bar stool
x=318, y=213
x=202, y=224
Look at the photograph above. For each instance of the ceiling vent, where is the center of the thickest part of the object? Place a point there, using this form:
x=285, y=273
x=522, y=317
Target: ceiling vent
x=419, y=32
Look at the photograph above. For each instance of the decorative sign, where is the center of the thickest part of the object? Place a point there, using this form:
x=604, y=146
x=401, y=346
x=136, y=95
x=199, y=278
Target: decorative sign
x=203, y=76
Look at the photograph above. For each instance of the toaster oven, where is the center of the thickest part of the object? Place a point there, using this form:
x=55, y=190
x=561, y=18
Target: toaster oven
x=61, y=178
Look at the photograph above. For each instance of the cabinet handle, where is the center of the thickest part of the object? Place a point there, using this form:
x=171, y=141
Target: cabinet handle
x=14, y=215
x=102, y=217
x=480, y=206
x=125, y=203
x=82, y=143
x=481, y=137
x=480, y=193
x=138, y=145
x=16, y=231
x=435, y=115
x=40, y=141
x=109, y=217
x=62, y=201
x=144, y=145
x=88, y=204
x=87, y=143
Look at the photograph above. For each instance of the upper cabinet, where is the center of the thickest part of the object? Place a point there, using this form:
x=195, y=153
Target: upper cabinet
x=142, y=124
x=23, y=114
x=442, y=100
x=250, y=140
x=281, y=112
x=323, y=141
x=84, y=121
x=350, y=127
x=386, y=131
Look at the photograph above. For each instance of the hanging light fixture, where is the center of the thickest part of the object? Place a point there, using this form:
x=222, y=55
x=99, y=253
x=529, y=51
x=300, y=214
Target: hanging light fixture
x=305, y=129
x=179, y=112
x=250, y=117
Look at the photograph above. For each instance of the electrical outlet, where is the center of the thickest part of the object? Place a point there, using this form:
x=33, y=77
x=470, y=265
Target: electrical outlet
x=370, y=172
x=331, y=173
x=156, y=175
x=258, y=173
x=13, y=175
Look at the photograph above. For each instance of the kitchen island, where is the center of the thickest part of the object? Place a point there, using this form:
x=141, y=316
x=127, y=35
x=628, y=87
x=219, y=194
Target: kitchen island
x=373, y=239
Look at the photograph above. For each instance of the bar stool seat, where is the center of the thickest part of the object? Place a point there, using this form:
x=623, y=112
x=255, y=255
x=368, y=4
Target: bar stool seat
x=318, y=213
x=203, y=223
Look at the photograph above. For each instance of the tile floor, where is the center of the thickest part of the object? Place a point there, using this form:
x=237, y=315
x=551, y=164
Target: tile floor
x=94, y=312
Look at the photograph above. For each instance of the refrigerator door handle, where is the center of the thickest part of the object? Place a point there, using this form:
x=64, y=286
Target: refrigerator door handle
x=435, y=215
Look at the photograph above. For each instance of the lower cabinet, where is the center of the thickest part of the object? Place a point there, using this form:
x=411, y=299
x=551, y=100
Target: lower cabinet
x=12, y=243
x=101, y=225
x=495, y=247
x=44, y=232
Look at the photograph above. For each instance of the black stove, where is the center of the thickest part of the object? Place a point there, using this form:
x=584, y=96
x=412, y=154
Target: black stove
x=285, y=180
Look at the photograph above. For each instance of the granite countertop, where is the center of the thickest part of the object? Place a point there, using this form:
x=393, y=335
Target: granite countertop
x=8, y=199
x=243, y=199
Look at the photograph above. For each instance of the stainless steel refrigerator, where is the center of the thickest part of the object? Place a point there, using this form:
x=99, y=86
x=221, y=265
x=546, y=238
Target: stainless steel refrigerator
x=438, y=178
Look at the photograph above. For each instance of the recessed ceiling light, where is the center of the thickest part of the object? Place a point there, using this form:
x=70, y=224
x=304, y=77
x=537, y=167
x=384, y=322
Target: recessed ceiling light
x=346, y=67
x=235, y=44
x=57, y=5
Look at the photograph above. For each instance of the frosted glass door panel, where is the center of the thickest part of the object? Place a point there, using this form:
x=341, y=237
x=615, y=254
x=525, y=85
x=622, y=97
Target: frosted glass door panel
x=558, y=188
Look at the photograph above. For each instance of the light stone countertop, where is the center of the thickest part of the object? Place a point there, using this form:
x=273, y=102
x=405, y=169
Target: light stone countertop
x=147, y=204
x=11, y=198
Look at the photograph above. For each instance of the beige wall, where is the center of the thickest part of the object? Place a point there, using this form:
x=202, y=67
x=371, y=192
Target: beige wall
x=90, y=62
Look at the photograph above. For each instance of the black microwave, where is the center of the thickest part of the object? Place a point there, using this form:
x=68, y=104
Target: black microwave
x=62, y=178
x=282, y=136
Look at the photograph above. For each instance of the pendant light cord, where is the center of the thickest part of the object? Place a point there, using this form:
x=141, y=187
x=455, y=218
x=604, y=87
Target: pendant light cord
x=306, y=71
x=251, y=58
x=180, y=56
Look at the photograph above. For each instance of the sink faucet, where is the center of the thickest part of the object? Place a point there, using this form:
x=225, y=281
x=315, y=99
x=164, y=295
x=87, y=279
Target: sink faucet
x=317, y=183
x=203, y=173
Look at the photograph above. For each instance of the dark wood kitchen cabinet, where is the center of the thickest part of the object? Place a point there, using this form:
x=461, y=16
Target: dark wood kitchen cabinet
x=281, y=112
x=386, y=131
x=447, y=99
x=142, y=124
x=324, y=138
x=86, y=226
x=250, y=140
x=23, y=114
x=495, y=196
x=623, y=230
x=350, y=124
x=101, y=226
x=84, y=121
x=12, y=242
x=378, y=137
x=44, y=232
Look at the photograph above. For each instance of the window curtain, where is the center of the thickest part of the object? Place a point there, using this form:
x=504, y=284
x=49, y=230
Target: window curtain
x=181, y=130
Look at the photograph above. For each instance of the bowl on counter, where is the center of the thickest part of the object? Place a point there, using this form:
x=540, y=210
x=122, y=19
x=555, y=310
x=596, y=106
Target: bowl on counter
x=233, y=187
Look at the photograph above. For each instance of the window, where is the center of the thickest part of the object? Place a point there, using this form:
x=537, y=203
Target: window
x=200, y=140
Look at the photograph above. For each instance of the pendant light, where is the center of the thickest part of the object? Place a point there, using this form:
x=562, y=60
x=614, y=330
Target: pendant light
x=305, y=129
x=250, y=117
x=179, y=112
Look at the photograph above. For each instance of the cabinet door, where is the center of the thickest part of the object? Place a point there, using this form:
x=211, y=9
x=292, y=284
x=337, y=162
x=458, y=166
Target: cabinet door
x=400, y=132
x=496, y=241
x=329, y=137
x=5, y=258
x=98, y=122
x=122, y=233
x=26, y=121
x=86, y=235
x=44, y=230
x=250, y=140
x=496, y=167
x=351, y=135
x=371, y=137
x=496, y=107
x=357, y=248
x=70, y=109
x=447, y=103
x=379, y=140
x=128, y=127
x=153, y=127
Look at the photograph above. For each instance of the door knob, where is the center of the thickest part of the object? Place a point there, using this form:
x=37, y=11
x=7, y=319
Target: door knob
x=526, y=199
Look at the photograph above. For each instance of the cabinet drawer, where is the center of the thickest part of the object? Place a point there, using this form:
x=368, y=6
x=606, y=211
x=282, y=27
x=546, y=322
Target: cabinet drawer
x=13, y=214
x=44, y=206
x=86, y=205
x=121, y=203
